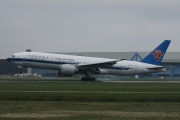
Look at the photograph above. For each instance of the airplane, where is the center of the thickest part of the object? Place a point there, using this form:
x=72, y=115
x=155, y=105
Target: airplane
x=89, y=66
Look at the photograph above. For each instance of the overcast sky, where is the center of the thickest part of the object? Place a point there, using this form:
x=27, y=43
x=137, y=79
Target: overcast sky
x=88, y=25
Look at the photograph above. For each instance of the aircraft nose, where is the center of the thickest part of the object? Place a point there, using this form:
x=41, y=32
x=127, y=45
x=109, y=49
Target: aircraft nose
x=9, y=59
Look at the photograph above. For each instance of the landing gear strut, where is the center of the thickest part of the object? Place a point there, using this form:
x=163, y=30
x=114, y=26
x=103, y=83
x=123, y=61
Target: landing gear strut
x=88, y=76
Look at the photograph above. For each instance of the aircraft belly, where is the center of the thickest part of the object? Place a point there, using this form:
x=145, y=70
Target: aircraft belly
x=120, y=72
x=18, y=63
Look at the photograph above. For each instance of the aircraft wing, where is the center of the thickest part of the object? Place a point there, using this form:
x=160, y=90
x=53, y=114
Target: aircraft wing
x=99, y=64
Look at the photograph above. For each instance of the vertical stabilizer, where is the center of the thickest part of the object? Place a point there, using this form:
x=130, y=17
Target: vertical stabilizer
x=155, y=57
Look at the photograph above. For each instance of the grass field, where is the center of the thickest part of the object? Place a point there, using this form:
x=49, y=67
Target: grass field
x=89, y=100
x=90, y=91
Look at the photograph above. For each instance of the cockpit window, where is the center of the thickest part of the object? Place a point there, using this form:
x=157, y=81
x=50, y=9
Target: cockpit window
x=12, y=55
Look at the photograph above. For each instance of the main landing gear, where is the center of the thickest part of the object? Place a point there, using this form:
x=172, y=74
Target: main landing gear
x=88, y=79
x=88, y=76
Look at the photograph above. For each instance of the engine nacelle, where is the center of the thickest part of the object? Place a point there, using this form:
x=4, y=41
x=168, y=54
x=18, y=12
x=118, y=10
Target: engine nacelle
x=67, y=70
x=103, y=71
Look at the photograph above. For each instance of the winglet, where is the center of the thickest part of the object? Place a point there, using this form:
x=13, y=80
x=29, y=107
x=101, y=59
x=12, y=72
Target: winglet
x=155, y=57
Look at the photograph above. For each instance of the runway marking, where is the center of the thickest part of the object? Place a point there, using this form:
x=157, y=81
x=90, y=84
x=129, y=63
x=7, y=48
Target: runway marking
x=91, y=92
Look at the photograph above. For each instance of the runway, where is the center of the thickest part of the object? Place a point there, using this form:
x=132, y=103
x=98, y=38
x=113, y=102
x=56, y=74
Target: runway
x=38, y=80
x=77, y=80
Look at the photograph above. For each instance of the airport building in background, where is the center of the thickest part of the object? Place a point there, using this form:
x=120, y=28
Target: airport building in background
x=170, y=59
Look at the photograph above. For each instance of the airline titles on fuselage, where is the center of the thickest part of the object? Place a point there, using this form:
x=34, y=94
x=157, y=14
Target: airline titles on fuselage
x=58, y=59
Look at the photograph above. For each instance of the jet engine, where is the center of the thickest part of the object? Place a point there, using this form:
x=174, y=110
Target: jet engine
x=67, y=70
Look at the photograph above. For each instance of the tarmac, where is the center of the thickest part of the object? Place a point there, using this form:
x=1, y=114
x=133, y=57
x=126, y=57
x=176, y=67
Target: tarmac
x=73, y=80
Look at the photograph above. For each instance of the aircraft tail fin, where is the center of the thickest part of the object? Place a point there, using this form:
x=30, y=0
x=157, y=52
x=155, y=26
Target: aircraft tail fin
x=155, y=57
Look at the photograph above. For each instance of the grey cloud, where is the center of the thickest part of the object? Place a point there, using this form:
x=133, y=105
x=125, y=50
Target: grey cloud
x=87, y=25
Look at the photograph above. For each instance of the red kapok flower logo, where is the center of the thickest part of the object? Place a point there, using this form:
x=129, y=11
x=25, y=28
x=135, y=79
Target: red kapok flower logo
x=157, y=54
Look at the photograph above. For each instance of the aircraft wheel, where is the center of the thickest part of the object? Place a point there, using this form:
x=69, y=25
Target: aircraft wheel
x=88, y=79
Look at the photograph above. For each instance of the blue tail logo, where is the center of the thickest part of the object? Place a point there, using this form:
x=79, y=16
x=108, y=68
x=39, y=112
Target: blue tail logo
x=155, y=57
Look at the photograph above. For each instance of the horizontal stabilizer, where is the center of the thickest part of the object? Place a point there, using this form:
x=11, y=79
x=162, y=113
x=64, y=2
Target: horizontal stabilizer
x=165, y=68
x=157, y=67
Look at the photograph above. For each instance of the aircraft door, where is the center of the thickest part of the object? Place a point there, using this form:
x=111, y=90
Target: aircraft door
x=24, y=63
x=135, y=68
x=51, y=59
x=24, y=59
x=24, y=56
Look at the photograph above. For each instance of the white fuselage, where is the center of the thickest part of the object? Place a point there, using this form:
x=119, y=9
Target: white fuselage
x=54, y=61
